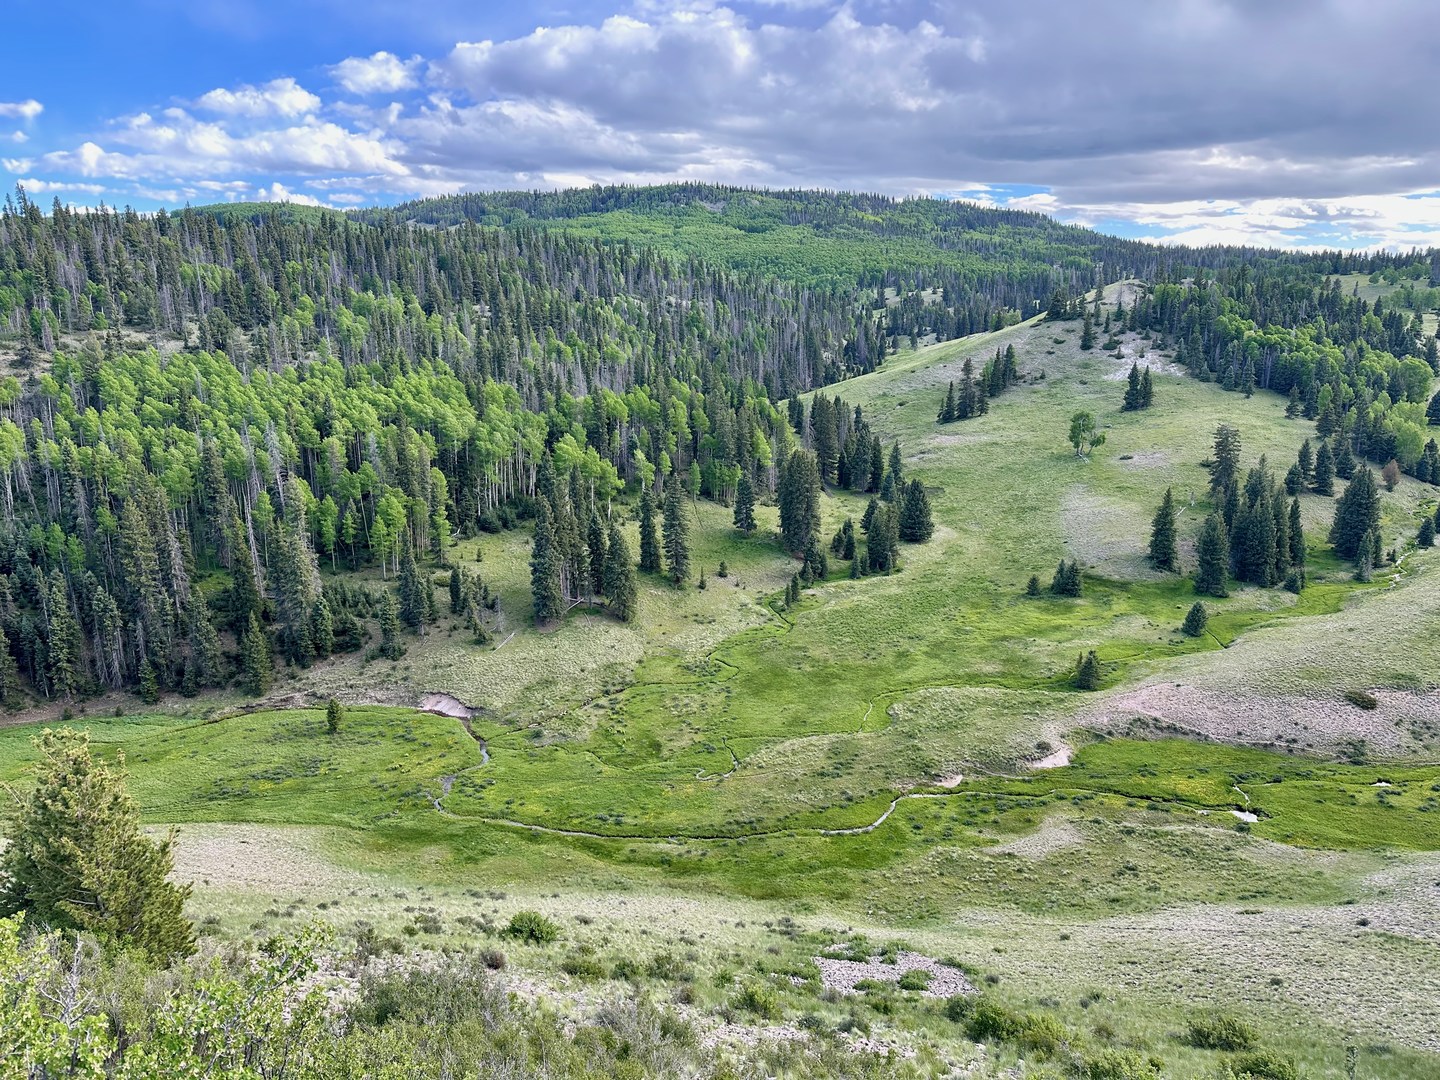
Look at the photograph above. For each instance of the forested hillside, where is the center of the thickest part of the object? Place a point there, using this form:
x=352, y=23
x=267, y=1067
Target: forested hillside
x=202, y=408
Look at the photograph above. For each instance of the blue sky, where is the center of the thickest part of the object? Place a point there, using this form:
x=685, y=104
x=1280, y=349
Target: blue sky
x=1257, y=121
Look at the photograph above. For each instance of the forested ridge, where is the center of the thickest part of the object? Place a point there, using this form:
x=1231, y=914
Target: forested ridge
x=200, y=408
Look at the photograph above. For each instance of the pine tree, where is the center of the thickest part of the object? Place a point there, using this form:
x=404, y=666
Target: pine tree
x=1357, y=514
x=1225, y=463
x=389, y=619
x=595, y=542
x=77, y=858
x=1365, y=557
x=947, y=410
x=1032, y=587
x=1297, y=535
x=457, y=591
x=799, y=502
x=1067, y=580
x=847, y=544
x=1323, y=481
x=649, y=541
x=619, y=584
x=1305, y=459
x=149, y=684
x=745, y=505
x=10, y=695
x=677, y=536
x=256, y=667
x=1196, y=620
x=205, y=643
x=1163, y=555
x=412, y=593
x=916, y=525
x=1087, y=671
x=1212, y=551
x=334, y=715
x=1132, y=389
x=1344, y=460
x=1087, y=332
x=1147, y=389
x=547, y=598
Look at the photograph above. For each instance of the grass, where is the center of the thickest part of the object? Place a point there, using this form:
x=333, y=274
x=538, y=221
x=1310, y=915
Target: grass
x=708, y=745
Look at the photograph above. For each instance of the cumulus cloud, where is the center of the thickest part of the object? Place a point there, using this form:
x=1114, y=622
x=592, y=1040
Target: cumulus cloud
x=278, y=97
x=54, y=187
x=1275, y=120
x=277, y=192
x=21, y=110
x=379, y=73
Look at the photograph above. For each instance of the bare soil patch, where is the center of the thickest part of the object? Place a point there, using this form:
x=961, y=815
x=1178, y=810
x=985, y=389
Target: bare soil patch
x=842, y=975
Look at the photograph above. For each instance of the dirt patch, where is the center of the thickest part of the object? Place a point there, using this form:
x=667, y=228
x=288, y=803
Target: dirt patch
x=1315, y=722
x=842, y=975
x=1054, y=834
x=1056, y=760
x=254, y=857
x=445, y=705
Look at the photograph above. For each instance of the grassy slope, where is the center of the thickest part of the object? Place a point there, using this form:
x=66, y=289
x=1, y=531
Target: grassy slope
x=870, y=687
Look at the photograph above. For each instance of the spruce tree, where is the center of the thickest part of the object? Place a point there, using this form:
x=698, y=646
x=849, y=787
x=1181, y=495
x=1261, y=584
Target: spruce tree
x=1087, y=332
x=1297, y=535
x=1196, y=620
x=799, y=502
x=1305, y=459
x=649, y=541
x=388, y=616
x=1365, y=557
x=916, y=525
x=1147, y=389
x=334, y=716
x=457, y=591
x=149, y=684
x=1163, y=555
x=77, y=859
x=412, y=590
x=1225, y=459
x=1426, y=537
x=1032, y=587
x=10, y=695
x=546, y=595
x=745, y=505
x=1357, y=513
x=1087, y=671
x=595, y=542
x=620, y=587
x=1344, y=459
x=677, y=536
x=1132, y=389
x=1212, y=551
x=256, y=666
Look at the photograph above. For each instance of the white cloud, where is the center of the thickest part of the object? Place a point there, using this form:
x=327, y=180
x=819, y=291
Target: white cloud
x=380, y=73
x=277, y=192
x=16, y=165
x=21, y=110
x=278, y=97
x=51, y=187
x=19, y=137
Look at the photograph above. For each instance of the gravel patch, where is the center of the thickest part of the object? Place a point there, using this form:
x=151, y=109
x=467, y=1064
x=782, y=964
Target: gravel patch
x=1054, y=834
x=842, y=975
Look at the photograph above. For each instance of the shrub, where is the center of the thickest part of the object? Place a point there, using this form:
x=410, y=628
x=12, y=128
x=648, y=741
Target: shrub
x=532, y=928
x=583, y=966
x=1121, y=1065
x=758, y=999
x=1042, y=1034
x=1220, y=1033
x=989, y=1021
x=959, y=1007
x=915, y=979
x=1266, y=1063
x=1361, y=699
